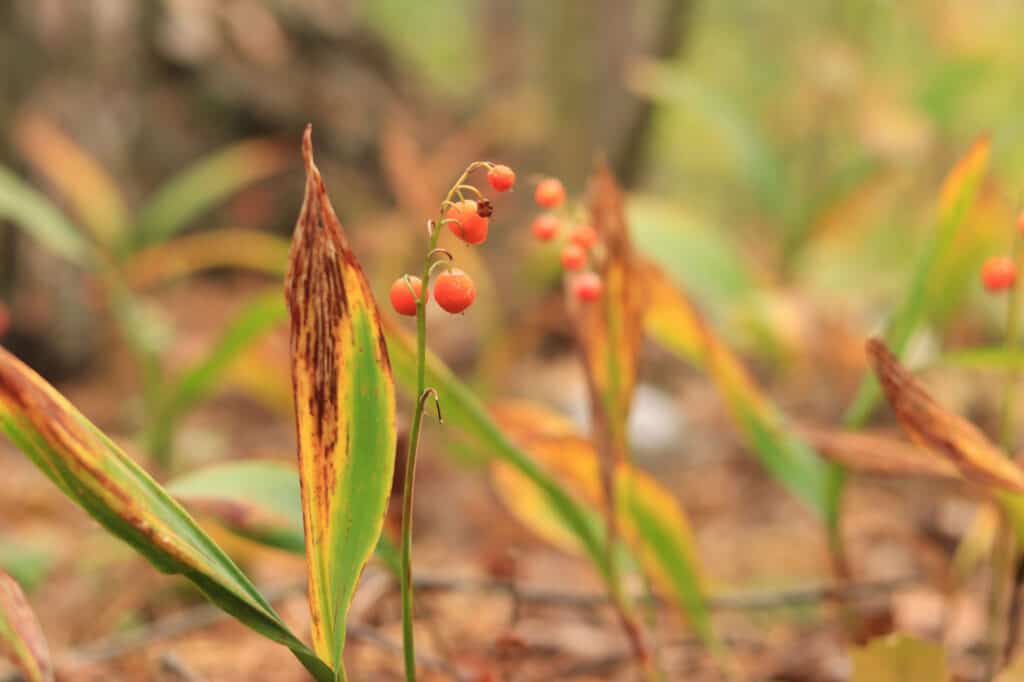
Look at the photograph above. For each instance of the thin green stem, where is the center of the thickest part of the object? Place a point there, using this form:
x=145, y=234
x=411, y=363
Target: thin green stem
x=408, y=489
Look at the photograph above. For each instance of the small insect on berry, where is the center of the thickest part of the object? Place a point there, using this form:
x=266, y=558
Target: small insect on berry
x=501, y=178
x=466, y=223
x=587, y=287
x=549, y=193
x=484, y=208
x=402, y=299
x=998, y=273
x=545, y=227
x=454, y=290
x=573, y=257
x=584, y=236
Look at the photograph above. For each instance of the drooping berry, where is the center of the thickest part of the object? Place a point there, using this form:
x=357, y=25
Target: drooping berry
x=573, y=257
x=501, y=178
x=454, y=290
x=584, y=236
x=466, y=223
x=998, y=273
x=587, y=286
x=402, y=299
x=549, y=193
x=545, y=227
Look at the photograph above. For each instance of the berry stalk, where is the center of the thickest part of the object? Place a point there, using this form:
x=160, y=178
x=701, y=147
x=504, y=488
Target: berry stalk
x=473, y=230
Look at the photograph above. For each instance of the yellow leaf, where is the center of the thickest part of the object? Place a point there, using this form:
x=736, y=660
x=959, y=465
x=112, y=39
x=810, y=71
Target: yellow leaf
x=899, y=658
x=21, y=638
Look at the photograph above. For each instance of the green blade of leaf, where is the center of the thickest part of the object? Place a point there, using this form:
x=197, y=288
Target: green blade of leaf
x=257, y=499
x=196, y=383
x=992, y=357
x=90, y=469
x=40, y=219
x=464, y=411
x=205, y=184
x=345, y=410
x=899, y=658
x=21, y=638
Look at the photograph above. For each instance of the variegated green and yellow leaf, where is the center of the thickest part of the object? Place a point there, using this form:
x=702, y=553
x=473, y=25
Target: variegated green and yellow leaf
x=652, y=522
x=21, y=638
x=86, y=187
x=229, y=247
x=345, y=410
x=90, y=469
x=673, y=322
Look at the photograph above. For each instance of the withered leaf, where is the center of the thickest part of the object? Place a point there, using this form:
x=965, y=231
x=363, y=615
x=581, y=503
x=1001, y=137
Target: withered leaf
x=939, y=430
x=873, y=453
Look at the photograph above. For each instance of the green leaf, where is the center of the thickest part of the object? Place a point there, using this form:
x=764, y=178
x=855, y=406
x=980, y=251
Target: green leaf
x=196, y=383
x=204, y=185
x=463, y=411
x=955, y=201
x=992, y=357
x=345, y=410
x=257, y=499
x=90, y=469
x=21, y=638
x=899, y=658
x=40, y=219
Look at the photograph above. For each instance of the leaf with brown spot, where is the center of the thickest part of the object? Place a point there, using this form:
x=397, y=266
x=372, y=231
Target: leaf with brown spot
x=21, y=638
x=91, y=470
x=939, y=430
x=609, y=330
x=344, y=407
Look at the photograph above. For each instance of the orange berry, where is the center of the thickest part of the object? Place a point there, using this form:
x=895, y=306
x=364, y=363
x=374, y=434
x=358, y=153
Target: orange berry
x=545, y=227
x=587, y=287
x=573, y=257
x=454, y=290
x=403, y=300
x=1020, y=221
x=998, y=273
x=549, y=193
x=585, y=236
x=466, y=223
x=501, y=178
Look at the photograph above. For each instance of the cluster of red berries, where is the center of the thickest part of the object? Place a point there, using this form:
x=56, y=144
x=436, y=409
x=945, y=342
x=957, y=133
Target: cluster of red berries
x=585, y=284
x=469, y=220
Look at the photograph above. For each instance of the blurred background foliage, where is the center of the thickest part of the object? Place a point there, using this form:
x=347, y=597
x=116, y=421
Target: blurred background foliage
x=782, y=159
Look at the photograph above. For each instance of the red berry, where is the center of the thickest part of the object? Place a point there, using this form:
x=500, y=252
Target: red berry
x=585, y=236
x=454, y=290
x=549, y=193
x=501, y=178
x=403, y=300
x=466, y=223
x=587, y=287
x=545, y=227
x=998, y=273
x=573, y=257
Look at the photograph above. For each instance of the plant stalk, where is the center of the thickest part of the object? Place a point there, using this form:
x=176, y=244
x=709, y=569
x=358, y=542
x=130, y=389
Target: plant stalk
x=408, y=489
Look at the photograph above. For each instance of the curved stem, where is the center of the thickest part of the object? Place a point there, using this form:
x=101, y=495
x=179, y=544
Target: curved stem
x=408, y=490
